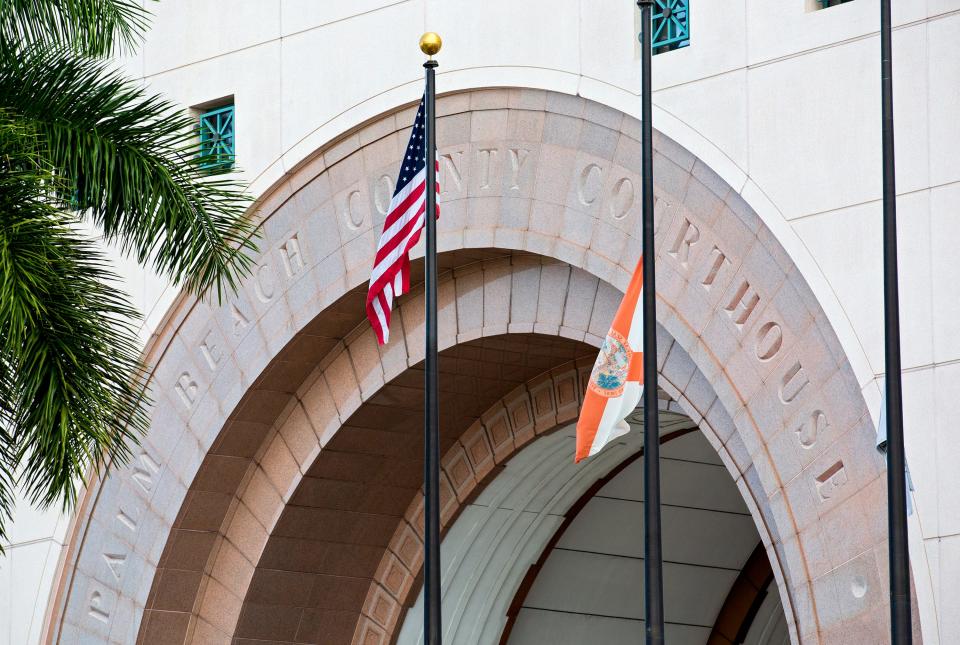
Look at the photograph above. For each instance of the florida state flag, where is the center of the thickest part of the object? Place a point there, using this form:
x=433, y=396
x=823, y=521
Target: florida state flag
x=616, y=383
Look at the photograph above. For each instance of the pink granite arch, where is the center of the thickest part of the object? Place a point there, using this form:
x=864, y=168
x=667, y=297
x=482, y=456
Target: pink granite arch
x=534, y=182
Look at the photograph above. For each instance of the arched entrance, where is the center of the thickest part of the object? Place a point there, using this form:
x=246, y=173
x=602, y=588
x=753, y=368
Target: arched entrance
x=562, y=551
x=259, y=399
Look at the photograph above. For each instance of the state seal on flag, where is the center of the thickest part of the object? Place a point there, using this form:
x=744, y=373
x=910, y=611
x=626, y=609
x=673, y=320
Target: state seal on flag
x=613, y=363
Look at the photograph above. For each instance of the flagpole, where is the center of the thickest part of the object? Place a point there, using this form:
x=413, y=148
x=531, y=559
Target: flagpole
x=653, y=556
x=900, y=618
x=430, y=44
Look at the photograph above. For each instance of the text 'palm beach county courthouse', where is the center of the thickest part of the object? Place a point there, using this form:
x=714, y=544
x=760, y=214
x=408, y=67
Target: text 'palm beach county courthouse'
x=276, y=498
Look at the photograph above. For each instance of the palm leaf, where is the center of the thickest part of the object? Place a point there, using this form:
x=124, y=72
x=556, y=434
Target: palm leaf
x=89, y=27
x=134, y=162
x=70, y=378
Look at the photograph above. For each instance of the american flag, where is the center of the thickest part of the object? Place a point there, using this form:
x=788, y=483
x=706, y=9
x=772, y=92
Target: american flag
x=401, y=230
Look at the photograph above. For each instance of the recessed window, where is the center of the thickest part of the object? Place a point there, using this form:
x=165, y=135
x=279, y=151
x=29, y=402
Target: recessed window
x=217, y=138
x=671, y=25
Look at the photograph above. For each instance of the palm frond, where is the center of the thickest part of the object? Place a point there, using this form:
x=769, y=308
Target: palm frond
x=70, y=376
x=88, y=27
x=134, y=160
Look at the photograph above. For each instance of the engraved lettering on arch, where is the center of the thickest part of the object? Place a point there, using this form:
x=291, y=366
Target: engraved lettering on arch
x=382, y=194
x=353, y=211
x=588, y=184
x=211, y=351
x=719, y=260
x=291, y=256
x=517, y=158
x=145, y=469
x=240, y=322
x=769, y=341
x=95, y=607
x=486, y=157
x=264, y=283
x=115, y=562
x=830, y=480
x=186, y=387
x=793, y=382
x=622, y=198
x=687, y=236
x=743, y=303
x=810, y=430
x=126, y=519
x=451, y=177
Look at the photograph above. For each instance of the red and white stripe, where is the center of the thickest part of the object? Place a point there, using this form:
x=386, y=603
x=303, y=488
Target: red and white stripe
x=391, y=268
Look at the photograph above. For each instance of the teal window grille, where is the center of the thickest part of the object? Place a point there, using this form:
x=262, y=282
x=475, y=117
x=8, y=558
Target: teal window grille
x=831, y=3
x=671, y=25
x=217, y=138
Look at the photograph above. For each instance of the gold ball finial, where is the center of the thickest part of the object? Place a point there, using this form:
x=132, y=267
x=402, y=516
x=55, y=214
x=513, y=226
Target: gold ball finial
x=430, y=43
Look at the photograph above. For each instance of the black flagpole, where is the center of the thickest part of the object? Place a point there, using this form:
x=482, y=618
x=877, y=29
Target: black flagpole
x=431, y=421
x=653, y=556
x=900, y=618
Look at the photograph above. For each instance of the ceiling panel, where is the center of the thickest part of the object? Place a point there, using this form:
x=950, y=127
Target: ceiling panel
x=608, y=585
x=691, y=447
x=538, y=627
x=590, y=586
x=682, y=483
x=693, y=536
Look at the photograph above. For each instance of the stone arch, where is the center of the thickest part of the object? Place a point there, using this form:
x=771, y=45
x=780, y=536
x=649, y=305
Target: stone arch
x=309, y=422
x=525, y=173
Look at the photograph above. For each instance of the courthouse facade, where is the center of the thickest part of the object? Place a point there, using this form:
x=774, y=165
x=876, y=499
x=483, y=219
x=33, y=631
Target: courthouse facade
x=276, y=498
